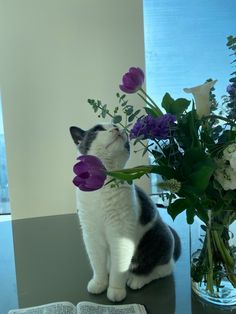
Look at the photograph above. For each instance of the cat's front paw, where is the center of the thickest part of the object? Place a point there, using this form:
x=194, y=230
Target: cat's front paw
x=95, y=286
x=116, y=294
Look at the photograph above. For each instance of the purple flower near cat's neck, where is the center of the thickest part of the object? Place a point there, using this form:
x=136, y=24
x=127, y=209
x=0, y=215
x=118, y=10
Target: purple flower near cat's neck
x=150, y=127
x=90, y=173
x=231, y=89
x=132, y=81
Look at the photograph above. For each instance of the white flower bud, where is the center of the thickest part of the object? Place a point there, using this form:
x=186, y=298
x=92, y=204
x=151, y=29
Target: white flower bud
x=171, y=185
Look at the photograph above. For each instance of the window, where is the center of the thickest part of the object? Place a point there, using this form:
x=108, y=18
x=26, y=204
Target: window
x=185, y=44
x=4, y=195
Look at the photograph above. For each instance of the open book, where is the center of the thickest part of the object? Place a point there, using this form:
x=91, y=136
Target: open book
x=81, y=308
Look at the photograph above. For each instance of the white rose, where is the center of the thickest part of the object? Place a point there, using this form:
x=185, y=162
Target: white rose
x=225, y=174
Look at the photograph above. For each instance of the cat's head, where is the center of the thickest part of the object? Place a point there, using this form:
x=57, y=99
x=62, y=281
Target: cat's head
x=106, y=141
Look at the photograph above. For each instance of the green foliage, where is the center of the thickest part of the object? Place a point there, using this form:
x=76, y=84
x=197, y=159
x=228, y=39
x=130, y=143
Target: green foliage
x=187, y=132
x=117, y=119
x=175, y=107
x=197, y=169
x=178, y=206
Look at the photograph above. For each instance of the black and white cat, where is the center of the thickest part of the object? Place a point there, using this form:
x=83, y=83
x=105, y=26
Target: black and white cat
x=126, y=240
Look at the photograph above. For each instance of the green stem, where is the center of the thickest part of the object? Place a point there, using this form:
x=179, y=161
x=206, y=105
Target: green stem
x=147, y=102
x=157, y=143
x=194, y=132
x=210, y=281
x=227, y=259
x=153, y=104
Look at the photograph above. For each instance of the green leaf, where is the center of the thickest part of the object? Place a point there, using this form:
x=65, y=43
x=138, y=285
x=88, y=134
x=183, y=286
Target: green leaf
x=151, y=111
x=165, y=171
x=122, y=98
x=175, y=107
x=128, y=110
x=197, y=170
x=177, y=207
x=132, y=116
x=190, y=213
x=200, y=178
x=181, y=104
x=104, y=111
x=167, y=102
x=230, y=195
x=124, y=103
x=117, y=119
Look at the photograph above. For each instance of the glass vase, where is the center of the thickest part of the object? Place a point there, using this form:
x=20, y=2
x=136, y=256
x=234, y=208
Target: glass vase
x=213, y=259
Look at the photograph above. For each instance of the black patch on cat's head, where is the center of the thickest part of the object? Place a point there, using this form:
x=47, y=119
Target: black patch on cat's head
x=83, y=139
x=77, y=134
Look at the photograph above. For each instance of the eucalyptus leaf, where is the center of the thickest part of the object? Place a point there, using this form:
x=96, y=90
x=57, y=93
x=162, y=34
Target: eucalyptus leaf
x=117, y=119
x=128, y=110
x=122, y=97
x=133, y=116
x=104, y=111
x=123, y=104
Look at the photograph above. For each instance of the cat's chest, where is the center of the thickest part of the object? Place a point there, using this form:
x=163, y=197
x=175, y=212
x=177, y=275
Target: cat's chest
x=108, y=204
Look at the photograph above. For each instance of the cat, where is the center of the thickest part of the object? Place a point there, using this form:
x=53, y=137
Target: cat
x=125, y=238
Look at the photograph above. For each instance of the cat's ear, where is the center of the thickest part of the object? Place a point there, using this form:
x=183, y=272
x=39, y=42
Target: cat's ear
x=77, y=134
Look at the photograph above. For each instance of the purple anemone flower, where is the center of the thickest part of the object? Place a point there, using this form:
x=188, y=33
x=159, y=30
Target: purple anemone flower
x=150, y=127
x=132, y=81
x=90, y=173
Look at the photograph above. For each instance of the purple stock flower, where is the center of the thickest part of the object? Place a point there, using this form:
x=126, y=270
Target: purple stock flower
x=132, y=81
x=150, y=127
x=231, y=89
x=90, y=173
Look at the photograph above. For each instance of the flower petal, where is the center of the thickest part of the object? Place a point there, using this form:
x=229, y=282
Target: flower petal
x=201, y=94
x=90, y=173
x=132, y=80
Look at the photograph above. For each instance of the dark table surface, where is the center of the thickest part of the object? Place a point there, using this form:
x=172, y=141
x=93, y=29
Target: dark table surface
x=49, y=264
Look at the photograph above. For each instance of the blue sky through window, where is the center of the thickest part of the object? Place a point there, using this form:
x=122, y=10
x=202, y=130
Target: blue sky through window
x=1, y=120
x=185, y=44
x=4, y=193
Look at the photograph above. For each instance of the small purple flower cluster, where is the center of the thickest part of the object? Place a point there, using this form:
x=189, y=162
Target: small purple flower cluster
x=150, y=127
x=231, y=89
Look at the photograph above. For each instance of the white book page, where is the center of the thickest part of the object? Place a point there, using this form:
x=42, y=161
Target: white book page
x=91, y=308
x=51, y=308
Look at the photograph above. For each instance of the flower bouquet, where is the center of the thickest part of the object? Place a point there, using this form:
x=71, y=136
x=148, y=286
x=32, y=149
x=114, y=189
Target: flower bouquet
x=193, y=144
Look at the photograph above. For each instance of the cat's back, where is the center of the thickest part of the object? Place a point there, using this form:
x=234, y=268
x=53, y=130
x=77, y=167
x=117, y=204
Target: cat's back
x=148, y=210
